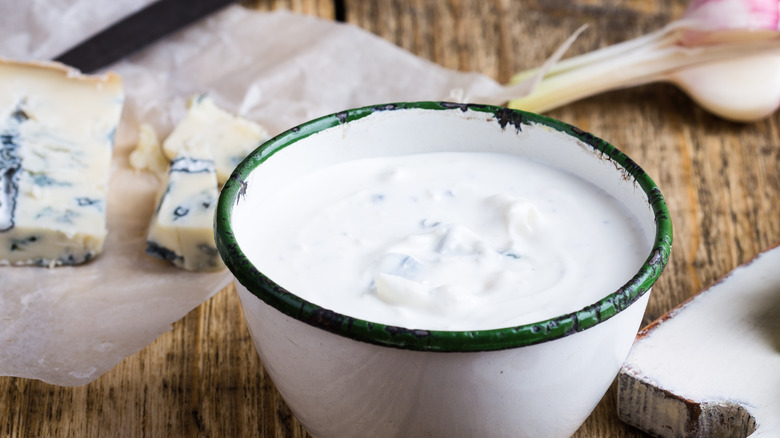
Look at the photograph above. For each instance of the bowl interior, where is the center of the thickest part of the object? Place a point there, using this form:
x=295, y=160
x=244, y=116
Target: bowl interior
x=409, y=128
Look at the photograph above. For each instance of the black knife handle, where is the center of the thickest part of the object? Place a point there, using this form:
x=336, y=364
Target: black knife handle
x=137, y=31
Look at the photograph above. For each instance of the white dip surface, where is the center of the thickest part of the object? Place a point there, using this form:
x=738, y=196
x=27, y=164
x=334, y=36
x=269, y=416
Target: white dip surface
x=446, y=241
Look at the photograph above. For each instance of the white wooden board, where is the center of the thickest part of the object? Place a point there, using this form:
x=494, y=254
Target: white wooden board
x=711, y=367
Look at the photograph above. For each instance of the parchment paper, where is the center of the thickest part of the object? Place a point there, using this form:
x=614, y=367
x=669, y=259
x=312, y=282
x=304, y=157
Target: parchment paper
x=69, y=325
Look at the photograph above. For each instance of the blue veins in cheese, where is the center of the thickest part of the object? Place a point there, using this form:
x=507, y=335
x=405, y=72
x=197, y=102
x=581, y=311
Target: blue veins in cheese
x=56, y=139
x=181, y=227
x=204, y=148
x=228, y=137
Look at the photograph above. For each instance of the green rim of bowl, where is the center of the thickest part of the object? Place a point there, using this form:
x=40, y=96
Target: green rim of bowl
x=431, y=340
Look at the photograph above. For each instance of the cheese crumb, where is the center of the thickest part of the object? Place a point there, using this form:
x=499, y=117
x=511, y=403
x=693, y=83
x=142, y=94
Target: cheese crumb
x=147, y=155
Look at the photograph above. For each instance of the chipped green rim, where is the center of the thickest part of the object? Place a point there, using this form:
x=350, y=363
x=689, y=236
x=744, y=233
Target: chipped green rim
x=432, y=340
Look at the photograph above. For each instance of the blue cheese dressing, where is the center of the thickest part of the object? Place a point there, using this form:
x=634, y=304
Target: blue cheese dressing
x=447, y=241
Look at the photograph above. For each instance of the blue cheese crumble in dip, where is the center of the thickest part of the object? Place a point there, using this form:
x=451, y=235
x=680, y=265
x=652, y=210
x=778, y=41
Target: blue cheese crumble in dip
x=447, y=240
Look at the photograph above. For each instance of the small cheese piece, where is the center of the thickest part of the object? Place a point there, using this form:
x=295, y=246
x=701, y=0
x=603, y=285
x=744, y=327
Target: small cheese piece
x=147, y=154
x=56, y=139
x=204, y=148
x=181, y=230
x=229, y=138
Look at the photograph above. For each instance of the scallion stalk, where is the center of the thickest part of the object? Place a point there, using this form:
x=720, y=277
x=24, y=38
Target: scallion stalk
x=724, y=53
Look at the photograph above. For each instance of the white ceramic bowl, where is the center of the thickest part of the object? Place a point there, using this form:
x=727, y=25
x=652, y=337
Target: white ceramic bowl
x=344, y=377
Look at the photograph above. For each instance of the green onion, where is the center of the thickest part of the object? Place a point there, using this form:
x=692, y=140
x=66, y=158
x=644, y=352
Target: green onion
x=724, y=53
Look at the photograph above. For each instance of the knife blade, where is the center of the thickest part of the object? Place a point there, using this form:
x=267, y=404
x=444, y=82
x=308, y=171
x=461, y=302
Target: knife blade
x=136, y=31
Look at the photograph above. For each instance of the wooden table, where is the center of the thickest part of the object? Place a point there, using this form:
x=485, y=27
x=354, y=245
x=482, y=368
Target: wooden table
x=721, y=180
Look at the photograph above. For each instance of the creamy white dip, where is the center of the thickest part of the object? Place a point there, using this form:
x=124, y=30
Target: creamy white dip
x=447, y=241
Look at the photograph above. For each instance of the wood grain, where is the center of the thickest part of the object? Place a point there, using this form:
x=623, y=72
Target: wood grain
x=721, y=180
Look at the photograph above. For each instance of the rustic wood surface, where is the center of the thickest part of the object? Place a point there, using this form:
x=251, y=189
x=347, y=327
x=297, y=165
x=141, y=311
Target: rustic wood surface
x=721, y=180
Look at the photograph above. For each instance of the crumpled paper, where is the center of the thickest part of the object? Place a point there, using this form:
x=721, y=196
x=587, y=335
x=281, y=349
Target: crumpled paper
x=69, y=325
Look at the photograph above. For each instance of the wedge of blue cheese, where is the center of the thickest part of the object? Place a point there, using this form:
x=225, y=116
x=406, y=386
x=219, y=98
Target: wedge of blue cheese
x=204, y=148
x=181, y=227
x=229, y=138
x=56, y=139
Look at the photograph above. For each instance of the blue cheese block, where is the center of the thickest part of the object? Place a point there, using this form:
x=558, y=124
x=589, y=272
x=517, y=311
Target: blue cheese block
x=56, y=139
x=207, y=127
x=181, y=227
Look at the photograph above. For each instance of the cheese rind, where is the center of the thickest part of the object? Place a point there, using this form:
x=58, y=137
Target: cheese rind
x=56, y=139
x=181, y=229
x=206, y=127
